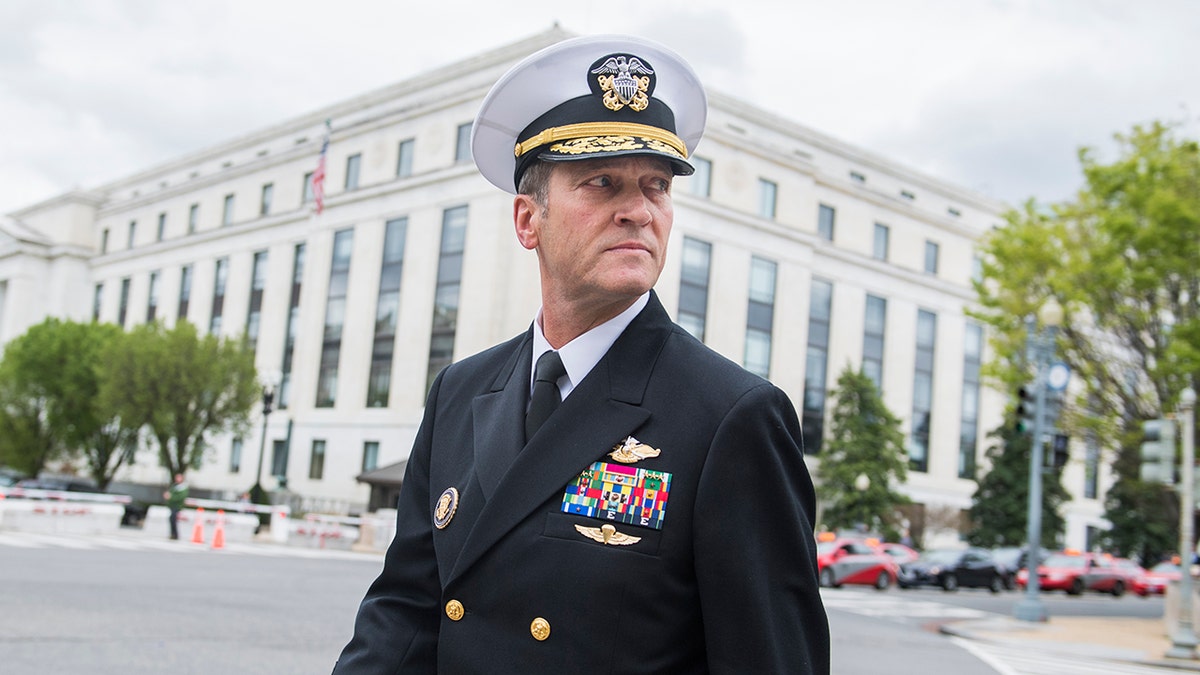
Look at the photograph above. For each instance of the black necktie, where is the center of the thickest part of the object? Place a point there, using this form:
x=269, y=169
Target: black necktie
x=545, y=397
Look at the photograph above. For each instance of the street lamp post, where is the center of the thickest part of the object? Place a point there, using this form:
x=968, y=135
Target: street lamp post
x=1183, y=642
x=1040, y=349
x=268, y=398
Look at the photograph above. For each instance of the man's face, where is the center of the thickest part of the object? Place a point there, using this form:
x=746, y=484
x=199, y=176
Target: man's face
x=602, y=236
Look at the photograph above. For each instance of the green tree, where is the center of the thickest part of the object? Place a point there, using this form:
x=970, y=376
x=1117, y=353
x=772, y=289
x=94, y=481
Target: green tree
x=1123, y=259
x=181, y=386
x=999, y=510
x=864, y=440
x=50, y=380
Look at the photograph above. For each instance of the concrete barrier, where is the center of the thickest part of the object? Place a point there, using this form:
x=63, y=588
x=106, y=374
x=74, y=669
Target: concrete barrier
x=239, y=527
x=37, y=515
x=320, y=531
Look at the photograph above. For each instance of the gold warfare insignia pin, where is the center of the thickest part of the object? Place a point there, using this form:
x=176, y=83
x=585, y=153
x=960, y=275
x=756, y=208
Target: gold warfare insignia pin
x=632, y=450
x=607, y=534
x=624, y=81
x=447, y=504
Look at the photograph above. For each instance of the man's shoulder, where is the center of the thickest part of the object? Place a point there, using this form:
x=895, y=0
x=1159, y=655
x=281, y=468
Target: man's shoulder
x=704, y=363
x=486, y=363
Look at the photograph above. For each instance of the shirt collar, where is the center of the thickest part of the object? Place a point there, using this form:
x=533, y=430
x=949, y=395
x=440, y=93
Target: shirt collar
x=582, y=354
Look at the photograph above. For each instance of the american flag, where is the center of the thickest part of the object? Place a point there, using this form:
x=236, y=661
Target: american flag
x=318, y=177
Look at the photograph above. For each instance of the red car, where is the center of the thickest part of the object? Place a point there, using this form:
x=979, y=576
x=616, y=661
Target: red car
x=1079, y=572
x=1156, y=579
x=855, y=561
x=902, y=554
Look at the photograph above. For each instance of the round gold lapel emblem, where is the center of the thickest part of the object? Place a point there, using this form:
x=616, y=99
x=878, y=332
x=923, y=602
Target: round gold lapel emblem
x=447, y=504
x=540, y=629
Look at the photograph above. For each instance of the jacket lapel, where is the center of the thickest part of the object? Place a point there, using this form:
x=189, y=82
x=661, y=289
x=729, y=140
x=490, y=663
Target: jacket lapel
x=601, y=411
x=498, y=427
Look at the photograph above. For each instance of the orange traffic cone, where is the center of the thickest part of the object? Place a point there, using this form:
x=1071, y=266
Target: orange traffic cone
x=198, y=528
x=219, y=533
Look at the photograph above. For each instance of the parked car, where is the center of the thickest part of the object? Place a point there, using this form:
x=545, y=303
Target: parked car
x=953, y=568
x=1155, y=580
x=854, y=561
x=56, y=484
x=1012, y=559
x=1075, y=573
x=902, y=554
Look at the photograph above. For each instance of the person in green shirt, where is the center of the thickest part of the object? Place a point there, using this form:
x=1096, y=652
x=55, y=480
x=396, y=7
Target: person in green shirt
x=175, y=495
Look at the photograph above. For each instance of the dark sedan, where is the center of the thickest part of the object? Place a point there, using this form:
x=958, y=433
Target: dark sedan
x=952, y=568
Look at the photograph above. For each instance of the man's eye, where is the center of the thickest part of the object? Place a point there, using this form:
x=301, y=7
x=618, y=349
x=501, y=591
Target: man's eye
x=600, y=181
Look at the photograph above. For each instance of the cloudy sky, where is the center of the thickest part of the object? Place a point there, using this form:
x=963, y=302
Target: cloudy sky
x=993, y=95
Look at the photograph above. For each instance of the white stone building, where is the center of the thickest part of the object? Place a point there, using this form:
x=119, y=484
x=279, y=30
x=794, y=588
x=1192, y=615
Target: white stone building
x=792, y=253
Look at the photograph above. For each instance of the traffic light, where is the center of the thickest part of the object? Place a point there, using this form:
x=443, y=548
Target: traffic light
x=1026, y=409
x=1158, y=451
x=1059, y=450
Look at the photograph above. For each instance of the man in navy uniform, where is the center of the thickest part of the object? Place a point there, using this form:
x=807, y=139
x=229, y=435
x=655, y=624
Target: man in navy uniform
x=602, y=493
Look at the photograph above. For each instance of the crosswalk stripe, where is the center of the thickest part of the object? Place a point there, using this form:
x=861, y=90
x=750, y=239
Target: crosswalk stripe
x=1022, y=660
x=42, y=540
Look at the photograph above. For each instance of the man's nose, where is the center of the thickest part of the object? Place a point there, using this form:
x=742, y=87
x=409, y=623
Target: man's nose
x=633, y=208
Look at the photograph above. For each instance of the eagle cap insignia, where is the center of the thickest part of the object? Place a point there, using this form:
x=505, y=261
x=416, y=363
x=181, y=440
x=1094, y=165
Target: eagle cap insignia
x=632, y=450
x=623, y=80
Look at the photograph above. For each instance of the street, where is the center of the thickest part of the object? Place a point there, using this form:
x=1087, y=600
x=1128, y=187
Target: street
x=129, y=605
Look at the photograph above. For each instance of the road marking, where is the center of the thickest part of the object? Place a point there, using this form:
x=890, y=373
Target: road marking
x=1026, y=659
x=133, y=542
x=876, y=604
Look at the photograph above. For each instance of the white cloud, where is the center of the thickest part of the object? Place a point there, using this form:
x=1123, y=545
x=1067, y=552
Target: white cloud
x=992, y=95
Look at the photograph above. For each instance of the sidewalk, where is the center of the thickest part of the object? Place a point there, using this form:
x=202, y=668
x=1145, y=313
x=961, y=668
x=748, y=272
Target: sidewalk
x=1124, y=640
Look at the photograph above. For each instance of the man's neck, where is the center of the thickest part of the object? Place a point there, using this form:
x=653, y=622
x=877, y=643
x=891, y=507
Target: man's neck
x=562, y=322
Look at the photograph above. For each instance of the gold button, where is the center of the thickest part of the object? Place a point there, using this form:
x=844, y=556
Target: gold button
x=454, y=610
x=540, y=628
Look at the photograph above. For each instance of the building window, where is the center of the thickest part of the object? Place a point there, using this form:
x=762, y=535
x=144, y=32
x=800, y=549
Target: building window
x=908, y=195
x=185, y=292
x=760, y=316
x=308, y=188
x=218, y=303
x=279, y=460
x=370, y=459
x=405, y=158
x=968, y=437
x=104, y=241
x=293, y=324
x=132, y=233
x=445, y=300
x=1091, y=470
x=162, y=227
x=977, y=268
x=820, y=311
x=825, y=217
x=693, y=286
x=931, y=257
x=235, y=455
x=227, y=214
x=387, y=308
x=123, y=308
x=873, y=339
x=152, y=299
x=316, y=462
x=882, y=234
x=918, y=449
x=193, y=217
x=268, y=195
x=953, y=211
x=701, y=180
x=353, y=162
x=767, y=193
x=857, y=177
x=257, y=281
x=462, y=151
x=335, y=315
x=96, y=298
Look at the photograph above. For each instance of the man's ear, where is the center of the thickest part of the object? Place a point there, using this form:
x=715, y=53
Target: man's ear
x=525, y=212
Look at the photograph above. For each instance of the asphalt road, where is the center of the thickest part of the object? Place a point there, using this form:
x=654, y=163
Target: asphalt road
x=75, y=607
x=111, y=612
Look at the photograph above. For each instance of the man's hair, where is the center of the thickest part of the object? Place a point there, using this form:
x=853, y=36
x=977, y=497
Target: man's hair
x=535, y=182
